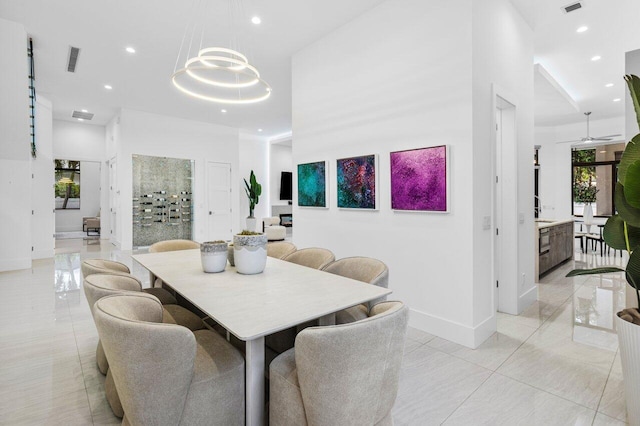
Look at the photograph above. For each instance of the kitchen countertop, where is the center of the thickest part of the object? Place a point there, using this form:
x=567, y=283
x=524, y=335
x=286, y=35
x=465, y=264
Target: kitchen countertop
x=547, y=223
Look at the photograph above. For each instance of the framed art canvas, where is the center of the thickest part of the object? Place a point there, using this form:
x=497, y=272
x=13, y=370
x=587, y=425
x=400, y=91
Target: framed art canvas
x=313, y=184
x=420, y=179
x=357, y=182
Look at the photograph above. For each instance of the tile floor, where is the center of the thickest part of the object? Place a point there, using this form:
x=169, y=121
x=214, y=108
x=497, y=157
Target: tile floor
x=556, y=364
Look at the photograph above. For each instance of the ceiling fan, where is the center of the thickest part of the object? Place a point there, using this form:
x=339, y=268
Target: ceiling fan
x=589, y=138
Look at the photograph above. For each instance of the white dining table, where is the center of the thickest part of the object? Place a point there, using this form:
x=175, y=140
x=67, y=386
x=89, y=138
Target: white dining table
x=253, y=306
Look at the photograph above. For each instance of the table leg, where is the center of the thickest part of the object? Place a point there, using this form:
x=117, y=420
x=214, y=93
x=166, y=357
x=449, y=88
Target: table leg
x=254, y=382
x=327, y=320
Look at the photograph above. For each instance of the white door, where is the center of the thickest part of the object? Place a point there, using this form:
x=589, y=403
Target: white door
x=113, y=199
x=219, y=201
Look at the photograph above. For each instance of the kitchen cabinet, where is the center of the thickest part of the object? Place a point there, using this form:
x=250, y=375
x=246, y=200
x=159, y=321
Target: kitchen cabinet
x=560, y=246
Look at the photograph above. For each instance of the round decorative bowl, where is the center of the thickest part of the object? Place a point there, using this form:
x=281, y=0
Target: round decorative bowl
x=250, y=253
x=214, y=256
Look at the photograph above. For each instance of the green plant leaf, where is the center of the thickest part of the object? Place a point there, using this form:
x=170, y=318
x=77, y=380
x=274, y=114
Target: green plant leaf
x=613, y=234
x=632, y=185
x=633, y=82
x=633, y=268
x=628, y=213
x=594, y=271
x=630, y=155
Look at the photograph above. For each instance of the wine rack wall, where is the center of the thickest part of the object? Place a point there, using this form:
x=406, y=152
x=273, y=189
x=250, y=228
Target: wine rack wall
x=162, y=199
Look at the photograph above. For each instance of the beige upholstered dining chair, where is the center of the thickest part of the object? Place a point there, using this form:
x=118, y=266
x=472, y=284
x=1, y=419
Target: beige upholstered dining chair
x=166, y=374
x=97, y=286
x=365, y=269
x=102, y=266
x=314, y=257
x=169, y=245
x=341, y=375
x=280, y=249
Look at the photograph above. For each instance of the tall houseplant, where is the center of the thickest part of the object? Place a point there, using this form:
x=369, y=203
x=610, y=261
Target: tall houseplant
x=622, y=231
x=253, y=190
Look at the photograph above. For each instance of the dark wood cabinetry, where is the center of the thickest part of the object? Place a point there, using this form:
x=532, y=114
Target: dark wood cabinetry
x=561, y=247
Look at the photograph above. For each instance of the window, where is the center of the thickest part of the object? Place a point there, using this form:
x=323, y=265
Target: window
x=67, y=186
x=593, y=178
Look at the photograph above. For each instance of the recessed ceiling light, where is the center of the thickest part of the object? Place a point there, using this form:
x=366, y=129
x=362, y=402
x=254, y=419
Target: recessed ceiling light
x=603, y=152
x=84, y=110
x=596, y=58
x=259, y=130
x=608, y=85
x=80, y=119
x=130, y=49
x=108, y=87
x=223, y=111
x=582, y=29
x=256, y=20
x=617, y=100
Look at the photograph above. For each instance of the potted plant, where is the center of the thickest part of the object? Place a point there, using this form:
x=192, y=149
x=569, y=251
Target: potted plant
x=253, y=190
x=585, y=192
x=622, y=232
x=250, y=252
x=213, y=255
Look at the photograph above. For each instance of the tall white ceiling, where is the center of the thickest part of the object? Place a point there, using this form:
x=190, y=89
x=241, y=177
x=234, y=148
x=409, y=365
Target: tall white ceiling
x=103, y=28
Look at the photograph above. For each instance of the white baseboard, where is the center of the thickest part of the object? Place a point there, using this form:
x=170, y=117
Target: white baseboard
x=527, y=299
x=15, y=264
x=42, y=254
x=470, y=337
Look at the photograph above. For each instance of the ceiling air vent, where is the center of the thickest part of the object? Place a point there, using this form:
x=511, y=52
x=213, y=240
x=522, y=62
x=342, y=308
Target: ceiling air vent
x=73, y=58
x=83, y=115
x=571, y=7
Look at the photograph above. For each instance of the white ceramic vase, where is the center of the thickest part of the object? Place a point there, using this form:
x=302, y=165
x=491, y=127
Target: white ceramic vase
x=251, y=224
x=629, y=344
x=587, y=216
x=214, y=256
x=250, y=253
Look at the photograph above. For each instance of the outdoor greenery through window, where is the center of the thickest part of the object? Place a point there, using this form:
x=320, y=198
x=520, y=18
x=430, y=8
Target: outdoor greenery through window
x=67, y=186
x=594, y=173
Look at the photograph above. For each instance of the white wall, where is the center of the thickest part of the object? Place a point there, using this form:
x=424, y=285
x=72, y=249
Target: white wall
x=15, y=164
x=280, y=160
x=136, y=132
x=433, y=87
x=501, y=34
x=86, y=143
x=347, y=101
x=43, y=218
x=254, y=155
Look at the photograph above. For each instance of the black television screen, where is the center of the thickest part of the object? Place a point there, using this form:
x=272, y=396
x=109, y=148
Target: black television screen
x=285, y=186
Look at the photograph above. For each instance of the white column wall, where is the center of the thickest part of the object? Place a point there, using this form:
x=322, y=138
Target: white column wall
x=502, y=63
x=136, y=132
x=43, y=218
x=15, y=163
x=397, y=77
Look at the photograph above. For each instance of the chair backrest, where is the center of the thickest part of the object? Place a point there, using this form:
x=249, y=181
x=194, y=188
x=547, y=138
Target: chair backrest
x=97, y=286
x=280, y=249
x=151, y=363
x=173, y=245
x=349, y=373
x=365, y=269
x=102, y=266
x=314, y=257
x=268, y=221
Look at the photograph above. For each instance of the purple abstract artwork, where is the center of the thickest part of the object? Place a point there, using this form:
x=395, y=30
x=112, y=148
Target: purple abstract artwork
x=419, y=179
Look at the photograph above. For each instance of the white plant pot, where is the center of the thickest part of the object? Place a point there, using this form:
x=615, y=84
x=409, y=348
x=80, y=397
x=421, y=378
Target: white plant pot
x=251, y=224
x=587, y=216
x=250, y=253
x=629, y=344
x=213, y=256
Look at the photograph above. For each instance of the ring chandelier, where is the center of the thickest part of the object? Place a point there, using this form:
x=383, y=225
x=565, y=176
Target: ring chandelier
x=221, y=75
